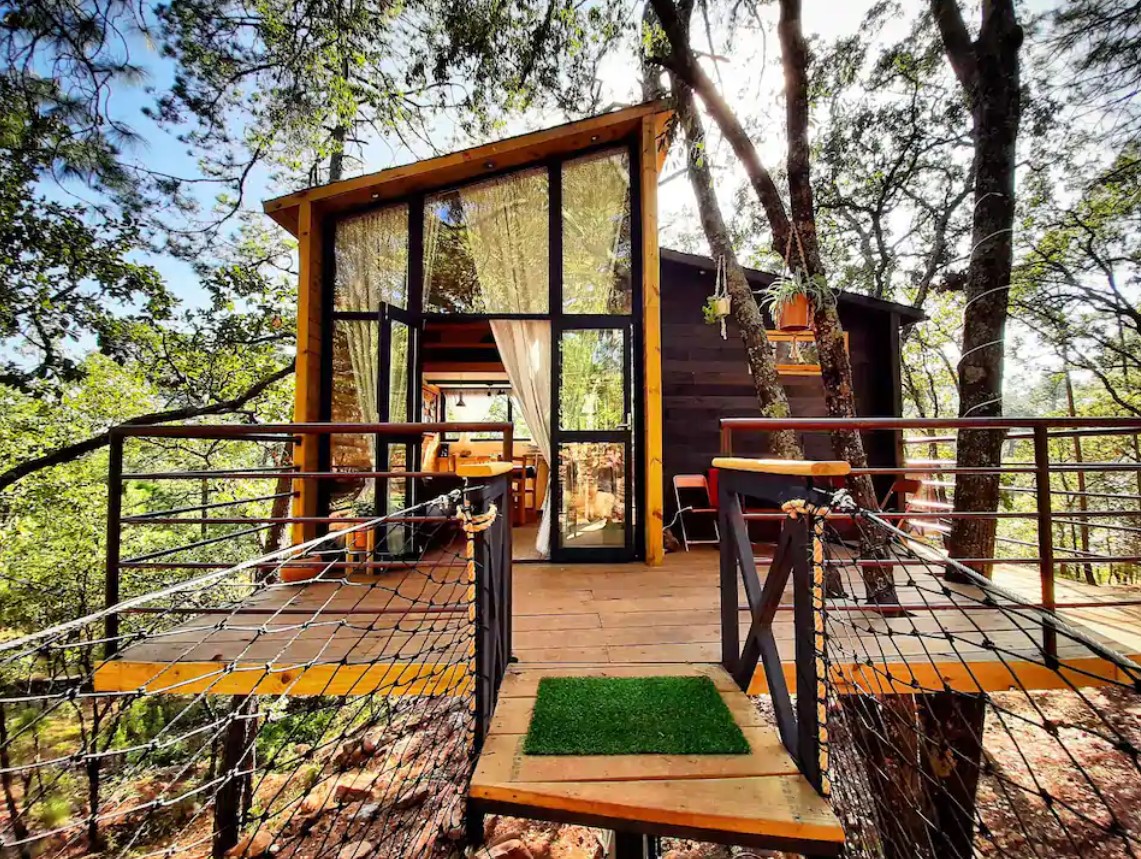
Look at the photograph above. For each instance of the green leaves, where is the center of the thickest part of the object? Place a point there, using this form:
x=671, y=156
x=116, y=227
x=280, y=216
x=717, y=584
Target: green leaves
x=66, y=270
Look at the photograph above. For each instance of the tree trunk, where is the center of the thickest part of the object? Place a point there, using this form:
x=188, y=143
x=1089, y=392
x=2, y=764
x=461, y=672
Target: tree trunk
x=230, y=800
x=758, y=349
x=885, y=736
x=803, y=254
x=988, y=70
x=951, y=726
x=92, y=766
x=15, y=815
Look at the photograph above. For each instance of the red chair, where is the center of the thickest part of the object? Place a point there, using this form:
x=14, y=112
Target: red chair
x=697, y=487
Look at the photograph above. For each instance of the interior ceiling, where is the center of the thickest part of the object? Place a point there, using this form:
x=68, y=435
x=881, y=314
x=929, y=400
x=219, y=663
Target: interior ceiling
x=473, y=376
x=456, y=347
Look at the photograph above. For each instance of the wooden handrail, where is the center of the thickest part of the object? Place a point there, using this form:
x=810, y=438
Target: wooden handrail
x=795, y=467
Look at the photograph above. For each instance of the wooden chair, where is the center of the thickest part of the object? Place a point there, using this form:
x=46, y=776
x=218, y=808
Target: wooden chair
x=704, y=506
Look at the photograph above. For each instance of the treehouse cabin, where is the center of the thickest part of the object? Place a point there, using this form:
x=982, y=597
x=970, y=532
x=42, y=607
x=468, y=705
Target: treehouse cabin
x=521, y=281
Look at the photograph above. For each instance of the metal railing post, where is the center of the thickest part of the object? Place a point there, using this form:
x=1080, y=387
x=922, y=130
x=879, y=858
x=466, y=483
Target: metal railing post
x=114, y=532
x=730, y=632
x=1045, y=536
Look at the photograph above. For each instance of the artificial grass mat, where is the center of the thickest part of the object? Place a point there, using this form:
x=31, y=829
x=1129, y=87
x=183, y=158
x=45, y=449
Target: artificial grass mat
x=632, y=716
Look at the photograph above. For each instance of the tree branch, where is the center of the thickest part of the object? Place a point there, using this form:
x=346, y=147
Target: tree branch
x=71, y=452
x=794, y=59
x=682, y=63
x=957, y=41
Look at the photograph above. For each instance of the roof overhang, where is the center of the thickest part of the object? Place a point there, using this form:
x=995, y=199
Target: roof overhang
x=758, y=279
x=466, y=164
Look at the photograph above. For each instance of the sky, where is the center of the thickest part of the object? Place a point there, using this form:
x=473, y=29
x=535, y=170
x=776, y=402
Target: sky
x=743, y=78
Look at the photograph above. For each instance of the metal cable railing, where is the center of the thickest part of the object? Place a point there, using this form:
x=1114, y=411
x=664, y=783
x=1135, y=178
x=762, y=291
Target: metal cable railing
x=300, y=700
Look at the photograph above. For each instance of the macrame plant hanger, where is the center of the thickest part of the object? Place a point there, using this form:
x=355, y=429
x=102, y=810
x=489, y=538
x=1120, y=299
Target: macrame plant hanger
x=721, y=290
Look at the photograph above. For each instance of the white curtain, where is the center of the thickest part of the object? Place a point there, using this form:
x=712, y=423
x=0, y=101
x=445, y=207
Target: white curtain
x=507, y=227
x=372, y=260
x=525, y=347
x=371, y=253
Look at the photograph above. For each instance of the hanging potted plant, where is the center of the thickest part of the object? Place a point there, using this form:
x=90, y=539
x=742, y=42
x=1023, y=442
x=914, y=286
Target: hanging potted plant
x=718, y=306
x=789, y=300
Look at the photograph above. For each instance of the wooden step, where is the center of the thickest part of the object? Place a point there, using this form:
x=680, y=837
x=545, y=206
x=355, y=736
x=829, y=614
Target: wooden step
x=759, y=799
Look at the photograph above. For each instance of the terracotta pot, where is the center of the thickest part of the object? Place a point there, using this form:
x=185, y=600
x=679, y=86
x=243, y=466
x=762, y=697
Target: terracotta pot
x=795, y=315
x=359, y=540
x=293, y=572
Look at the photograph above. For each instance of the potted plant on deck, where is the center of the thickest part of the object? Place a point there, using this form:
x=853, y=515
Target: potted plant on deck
x=361, y=540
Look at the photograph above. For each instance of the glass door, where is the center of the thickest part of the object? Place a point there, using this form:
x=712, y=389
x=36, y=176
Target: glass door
x=593, y=443
x=396, y=399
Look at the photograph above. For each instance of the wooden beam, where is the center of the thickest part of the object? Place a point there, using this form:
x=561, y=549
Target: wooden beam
x=973, y=675
x=652, y=338
x=225, y=678
x=483, y=469
x=307, y=395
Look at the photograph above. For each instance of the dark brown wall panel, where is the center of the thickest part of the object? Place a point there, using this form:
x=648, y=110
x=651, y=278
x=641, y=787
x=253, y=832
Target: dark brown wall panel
x=705, y=378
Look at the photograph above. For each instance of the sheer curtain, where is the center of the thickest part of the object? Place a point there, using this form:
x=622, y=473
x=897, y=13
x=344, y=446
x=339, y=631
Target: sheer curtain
x=507, y=222
x=371, y=252
x=372, y=260
x=525, y=347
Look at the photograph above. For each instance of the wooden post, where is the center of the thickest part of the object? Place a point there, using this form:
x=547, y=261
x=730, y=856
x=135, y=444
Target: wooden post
x=632, y=845
x=307, y=396
x=1045, y=538
x=808, y=716
x=114, y=527
x=652, y=340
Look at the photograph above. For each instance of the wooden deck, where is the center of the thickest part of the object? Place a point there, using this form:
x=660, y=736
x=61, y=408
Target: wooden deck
x=629, y=614
x=405, y=632
x=326, y=638
x=757, y=799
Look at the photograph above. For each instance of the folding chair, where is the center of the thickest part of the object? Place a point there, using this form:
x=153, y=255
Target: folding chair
x=696, y=488
x=902, y=487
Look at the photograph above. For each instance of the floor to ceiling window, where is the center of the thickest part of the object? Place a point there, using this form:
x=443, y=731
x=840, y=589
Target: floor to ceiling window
x=371, y=269
x=547, y=253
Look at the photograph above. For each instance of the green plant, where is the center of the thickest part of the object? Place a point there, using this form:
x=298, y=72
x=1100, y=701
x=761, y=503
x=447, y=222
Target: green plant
x=715, y=309
x=786, y=288
x=364, y=508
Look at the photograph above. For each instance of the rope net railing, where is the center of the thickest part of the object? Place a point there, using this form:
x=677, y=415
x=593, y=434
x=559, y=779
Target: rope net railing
x=970, y=721
x=320, y=700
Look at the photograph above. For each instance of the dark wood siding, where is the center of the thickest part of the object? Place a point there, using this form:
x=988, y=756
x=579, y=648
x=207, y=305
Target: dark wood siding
x=705, y=378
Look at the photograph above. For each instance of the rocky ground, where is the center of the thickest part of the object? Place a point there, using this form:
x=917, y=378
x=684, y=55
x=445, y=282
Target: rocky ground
x=513, y=838
x=397, y=793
